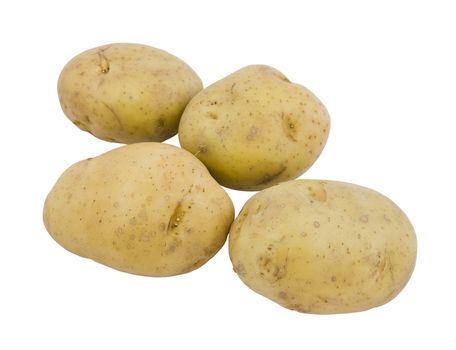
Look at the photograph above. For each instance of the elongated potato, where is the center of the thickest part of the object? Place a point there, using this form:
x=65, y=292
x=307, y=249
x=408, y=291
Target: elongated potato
x=127, y=92
x=148, y=208
x=323, y=246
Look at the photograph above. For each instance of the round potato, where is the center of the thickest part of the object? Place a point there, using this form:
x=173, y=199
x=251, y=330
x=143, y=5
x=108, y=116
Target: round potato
x=148, y=208
x=323, y=247
x=255, y=128
x=127, y=92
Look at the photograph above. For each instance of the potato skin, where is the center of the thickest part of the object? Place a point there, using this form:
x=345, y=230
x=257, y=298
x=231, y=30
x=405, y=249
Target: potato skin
x=323, y=247
x=255, y=128
x=148, y=209
x=127, y=93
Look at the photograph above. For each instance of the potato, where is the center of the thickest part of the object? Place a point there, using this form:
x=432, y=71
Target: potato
x=147, y=208
x=127, y=92
x=255, y=128
x=323, y=247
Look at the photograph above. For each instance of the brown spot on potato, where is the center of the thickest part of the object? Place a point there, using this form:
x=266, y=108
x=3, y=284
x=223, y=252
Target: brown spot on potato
x=114, y=115
x=80, y=125
x=195, y=264
x=160, y=124
x=173, y=245
x=316, y=224
x=271, y=177
x=323, y=299
x=232, y=88
x=364, y=218
x=272, y=268
x=317, y=191
x=209, y=251
x=239, y=221
x=390, y=267
x=212, y=115
x=202, y=148
x=283, y=295
x=240, y=269
x=260, y=208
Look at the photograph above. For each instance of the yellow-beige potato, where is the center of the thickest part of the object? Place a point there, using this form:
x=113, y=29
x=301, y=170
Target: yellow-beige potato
x=127, y=93
x=148, y=209
x=255, y=128
x=323, y=247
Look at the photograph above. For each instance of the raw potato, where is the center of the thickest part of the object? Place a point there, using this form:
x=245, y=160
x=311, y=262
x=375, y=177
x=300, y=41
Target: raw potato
x=255, y=128
x=127, y=92
x=323, y=247
x=149, y=209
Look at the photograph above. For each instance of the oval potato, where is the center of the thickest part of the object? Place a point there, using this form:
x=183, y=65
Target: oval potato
x=323, y=246
x=255, y=128
x=148, y=208
x=127, y=92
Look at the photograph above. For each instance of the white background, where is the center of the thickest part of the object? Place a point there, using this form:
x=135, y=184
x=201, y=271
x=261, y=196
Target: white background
x=386, y=72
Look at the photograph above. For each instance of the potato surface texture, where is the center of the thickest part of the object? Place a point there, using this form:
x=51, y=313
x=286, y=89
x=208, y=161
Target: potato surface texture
x=127, y=92
x=323, y=247
x=255, y=128
x=148, y=208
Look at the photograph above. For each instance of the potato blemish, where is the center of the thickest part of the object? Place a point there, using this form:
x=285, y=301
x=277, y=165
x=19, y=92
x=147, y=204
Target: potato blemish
x=289, y=126
x=271, y=177
x=317, y=191
x=273, y=268
x=212, y=115
x=176, y=217
x=103, y=62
